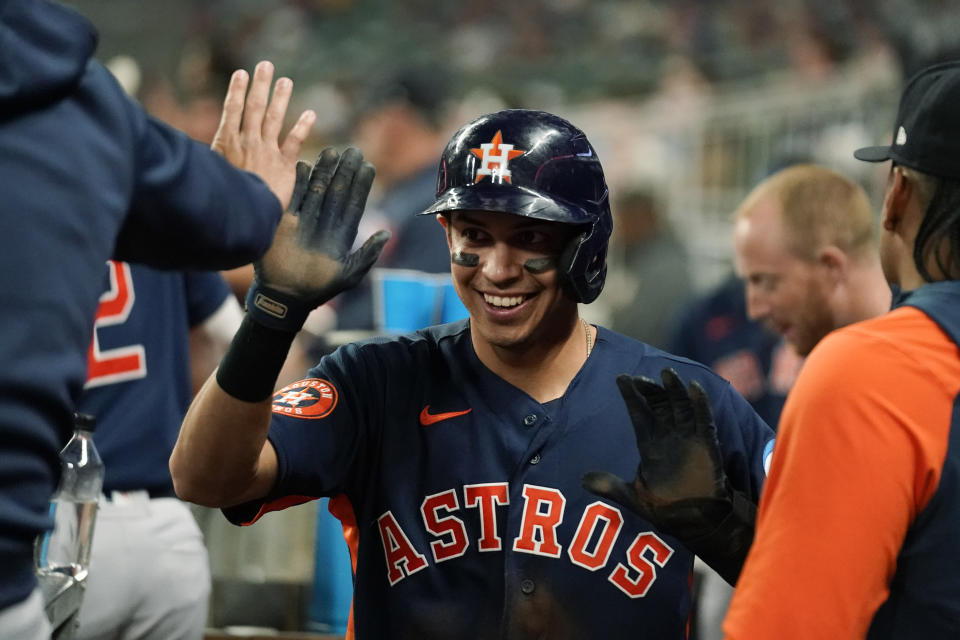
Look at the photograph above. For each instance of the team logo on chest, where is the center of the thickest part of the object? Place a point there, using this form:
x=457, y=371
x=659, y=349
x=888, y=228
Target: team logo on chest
x=495, y=157
x=311, y=399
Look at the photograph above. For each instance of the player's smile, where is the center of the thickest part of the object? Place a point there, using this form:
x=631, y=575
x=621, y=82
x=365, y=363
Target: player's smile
x=506, y=306
x=503, y=301
x=504, y=269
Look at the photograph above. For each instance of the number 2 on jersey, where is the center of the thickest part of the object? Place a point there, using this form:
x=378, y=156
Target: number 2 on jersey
x=109, y=366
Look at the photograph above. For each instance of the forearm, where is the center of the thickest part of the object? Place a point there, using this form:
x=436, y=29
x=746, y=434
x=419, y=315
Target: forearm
x=191, y=199
x=216, y=460
x=222, y=456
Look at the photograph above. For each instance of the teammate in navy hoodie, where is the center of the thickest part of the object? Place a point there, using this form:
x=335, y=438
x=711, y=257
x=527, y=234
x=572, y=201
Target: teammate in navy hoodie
x=87, y=175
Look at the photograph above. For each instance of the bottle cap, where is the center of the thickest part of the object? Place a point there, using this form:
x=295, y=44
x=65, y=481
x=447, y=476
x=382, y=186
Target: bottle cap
x=84, y=421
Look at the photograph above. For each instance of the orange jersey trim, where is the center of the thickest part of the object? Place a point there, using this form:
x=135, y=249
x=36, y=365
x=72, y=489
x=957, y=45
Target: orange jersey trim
x=277, y=505
x=342, y=509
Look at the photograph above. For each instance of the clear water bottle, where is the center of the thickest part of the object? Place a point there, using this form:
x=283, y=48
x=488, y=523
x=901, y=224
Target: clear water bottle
x=66, y=549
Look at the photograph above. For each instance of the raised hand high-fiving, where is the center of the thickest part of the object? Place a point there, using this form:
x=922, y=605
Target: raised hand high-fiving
x=249, y=132
x=310, y=260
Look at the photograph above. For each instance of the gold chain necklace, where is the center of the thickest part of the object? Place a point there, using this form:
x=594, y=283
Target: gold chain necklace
x=586, y=329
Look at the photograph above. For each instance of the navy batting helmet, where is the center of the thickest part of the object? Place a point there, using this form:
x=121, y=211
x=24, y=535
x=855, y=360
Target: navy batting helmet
x=538, y=165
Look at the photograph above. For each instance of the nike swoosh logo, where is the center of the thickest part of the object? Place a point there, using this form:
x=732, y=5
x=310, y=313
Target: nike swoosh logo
x=427, y=418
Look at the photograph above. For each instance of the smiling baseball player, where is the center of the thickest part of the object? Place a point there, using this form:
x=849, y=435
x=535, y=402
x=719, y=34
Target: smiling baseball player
x=454, y=455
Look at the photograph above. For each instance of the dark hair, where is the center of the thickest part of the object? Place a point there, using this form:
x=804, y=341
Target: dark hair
x=940, y=225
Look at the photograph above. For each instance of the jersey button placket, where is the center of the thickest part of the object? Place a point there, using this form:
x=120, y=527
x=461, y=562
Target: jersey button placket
x=530, y=420
x=527, y=586
x=535, y=459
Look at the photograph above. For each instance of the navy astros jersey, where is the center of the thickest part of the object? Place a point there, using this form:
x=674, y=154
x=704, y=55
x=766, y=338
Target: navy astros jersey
x=138, y=382
x=460, y=495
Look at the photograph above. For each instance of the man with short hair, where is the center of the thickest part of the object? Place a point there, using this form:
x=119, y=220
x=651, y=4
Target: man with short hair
x=454, y=455
x=806, y=249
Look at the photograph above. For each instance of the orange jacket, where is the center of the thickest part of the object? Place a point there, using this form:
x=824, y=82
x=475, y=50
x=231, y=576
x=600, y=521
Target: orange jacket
x=844, y=526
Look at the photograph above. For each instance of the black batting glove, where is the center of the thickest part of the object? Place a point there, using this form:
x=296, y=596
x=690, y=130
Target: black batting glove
x=681, y=454
x=300, y=186
x=677, y=440
x=310, y=260
x=680, y=484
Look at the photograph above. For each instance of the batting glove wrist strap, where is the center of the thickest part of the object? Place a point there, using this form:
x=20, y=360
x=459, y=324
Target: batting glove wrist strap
x=277, y=310
x=250, y=368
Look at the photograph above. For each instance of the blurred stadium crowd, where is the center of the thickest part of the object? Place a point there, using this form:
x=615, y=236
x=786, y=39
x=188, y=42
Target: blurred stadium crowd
x=561, y=50
x=700, y=97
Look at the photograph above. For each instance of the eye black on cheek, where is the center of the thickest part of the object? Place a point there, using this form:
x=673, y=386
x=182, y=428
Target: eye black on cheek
x=464, y=259
x=540, y=265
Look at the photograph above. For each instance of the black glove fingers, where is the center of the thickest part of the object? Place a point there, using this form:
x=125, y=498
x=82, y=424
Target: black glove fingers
x=356, y=199
x=658, y=400
x=300, y=186
x=609, y=486
x=323, y=172
x=336, y=198
x=625, y=384
x=680, y=404
x=360, y=189
x=324, y=168
x=701, y=410
x=706, y=428
x=631, y=397
x=360, y=261
x=637, y=407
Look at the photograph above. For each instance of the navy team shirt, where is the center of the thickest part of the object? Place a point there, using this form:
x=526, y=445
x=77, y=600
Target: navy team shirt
x=138, y=383
x=460, y=494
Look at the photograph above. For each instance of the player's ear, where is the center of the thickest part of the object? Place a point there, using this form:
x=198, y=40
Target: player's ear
x=444, y=221
x=834, y=261
x=895, y=200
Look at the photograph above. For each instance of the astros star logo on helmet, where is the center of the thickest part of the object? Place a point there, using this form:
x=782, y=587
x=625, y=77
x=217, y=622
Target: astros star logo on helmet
x=494, y=158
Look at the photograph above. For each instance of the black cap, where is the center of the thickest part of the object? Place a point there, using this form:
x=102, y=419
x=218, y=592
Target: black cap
x=926, y=136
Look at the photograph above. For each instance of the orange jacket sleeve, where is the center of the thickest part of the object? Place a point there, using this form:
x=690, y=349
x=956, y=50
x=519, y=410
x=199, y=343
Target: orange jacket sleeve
x=855, y=460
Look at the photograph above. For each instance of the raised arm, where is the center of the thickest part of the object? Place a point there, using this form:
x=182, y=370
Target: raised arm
x=222, y=456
